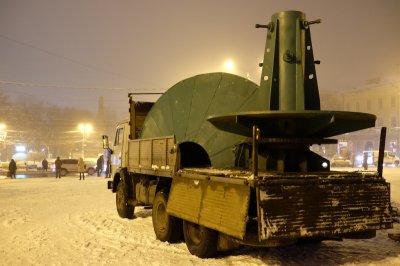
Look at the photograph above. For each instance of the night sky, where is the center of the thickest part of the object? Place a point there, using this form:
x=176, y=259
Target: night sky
x=65, y=52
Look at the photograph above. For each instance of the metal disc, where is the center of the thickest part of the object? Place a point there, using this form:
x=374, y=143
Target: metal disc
x=312, y=123
x=183, y=110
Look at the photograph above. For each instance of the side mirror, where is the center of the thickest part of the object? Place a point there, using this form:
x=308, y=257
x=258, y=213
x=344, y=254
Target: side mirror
x=105, y=142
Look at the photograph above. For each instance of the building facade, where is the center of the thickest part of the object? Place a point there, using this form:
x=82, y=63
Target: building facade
x=382, y=101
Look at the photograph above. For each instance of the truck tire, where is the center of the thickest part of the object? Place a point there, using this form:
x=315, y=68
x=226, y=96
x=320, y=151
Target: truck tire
x=166, y=227
x=200, y=241
x=124, y=209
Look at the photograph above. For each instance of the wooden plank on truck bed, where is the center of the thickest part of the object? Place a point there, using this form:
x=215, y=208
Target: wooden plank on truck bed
x=153, y=156
x=133, y=154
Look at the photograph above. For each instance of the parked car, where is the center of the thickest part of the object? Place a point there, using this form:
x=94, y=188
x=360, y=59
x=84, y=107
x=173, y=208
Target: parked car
x=71, y=166
x=340, y=161
x=90, y=166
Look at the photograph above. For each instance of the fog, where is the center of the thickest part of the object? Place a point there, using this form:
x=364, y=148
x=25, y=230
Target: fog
x=83, y=50
x=63, y=57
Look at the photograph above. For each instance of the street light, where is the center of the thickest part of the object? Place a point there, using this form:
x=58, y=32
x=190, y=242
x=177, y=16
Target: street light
x=229, y=66
x=85, y=129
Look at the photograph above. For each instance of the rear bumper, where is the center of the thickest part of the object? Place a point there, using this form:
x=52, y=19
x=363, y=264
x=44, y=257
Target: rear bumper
x=322, y=207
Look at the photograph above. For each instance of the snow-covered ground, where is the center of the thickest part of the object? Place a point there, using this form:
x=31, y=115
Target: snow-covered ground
x=48, y=221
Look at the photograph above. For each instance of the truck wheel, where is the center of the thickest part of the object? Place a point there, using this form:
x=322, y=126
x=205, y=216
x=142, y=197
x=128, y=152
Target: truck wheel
x=124, y=210
x=200, y=241
x=166, y=227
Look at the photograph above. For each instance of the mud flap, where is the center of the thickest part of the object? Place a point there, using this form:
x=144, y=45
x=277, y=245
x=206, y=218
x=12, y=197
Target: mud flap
x=217, y=203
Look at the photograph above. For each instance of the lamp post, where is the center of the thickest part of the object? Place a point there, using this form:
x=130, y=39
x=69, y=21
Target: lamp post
x=85, y=129
x=3, y=135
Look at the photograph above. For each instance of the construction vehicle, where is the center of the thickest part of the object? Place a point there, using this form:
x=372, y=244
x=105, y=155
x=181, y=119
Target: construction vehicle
x=223, y=161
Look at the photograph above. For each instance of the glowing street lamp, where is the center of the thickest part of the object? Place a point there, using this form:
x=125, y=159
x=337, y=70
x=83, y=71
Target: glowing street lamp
x=229, y=66
x=85, y=129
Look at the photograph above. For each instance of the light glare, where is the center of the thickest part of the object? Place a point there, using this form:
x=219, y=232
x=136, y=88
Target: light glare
x=229, y=65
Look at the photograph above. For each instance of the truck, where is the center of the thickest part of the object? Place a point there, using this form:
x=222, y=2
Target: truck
x=223, y=162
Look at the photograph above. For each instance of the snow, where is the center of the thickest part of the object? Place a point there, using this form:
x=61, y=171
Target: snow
x=48, y=221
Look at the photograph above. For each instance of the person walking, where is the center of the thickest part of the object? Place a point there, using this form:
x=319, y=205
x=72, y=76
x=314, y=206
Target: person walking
x=100, y=162
x=12, y=168
x=81, y=168
x=58, y=165
x=45, y=164
x=108, y=168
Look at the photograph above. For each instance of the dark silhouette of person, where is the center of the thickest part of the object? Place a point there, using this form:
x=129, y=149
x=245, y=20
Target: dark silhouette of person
x=100, y=162
x=45, y=164
x=12, y=167
x=58, y=165
x=365, y=161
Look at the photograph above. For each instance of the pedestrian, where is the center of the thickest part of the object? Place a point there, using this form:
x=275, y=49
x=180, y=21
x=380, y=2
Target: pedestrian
x=45, y=164
x=100, y=162
x=365, y=161
x=108, y=168
x=58, y=164
x=81, y=168
x=12, y=168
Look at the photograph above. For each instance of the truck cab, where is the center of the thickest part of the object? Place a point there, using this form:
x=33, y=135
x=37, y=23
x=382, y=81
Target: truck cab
x=126, y=130
x=120, y=148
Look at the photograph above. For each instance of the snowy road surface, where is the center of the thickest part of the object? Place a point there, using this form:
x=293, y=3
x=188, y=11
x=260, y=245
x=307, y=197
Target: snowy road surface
x=48, y=221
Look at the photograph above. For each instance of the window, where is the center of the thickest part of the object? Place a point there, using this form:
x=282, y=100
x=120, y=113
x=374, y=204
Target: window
x=393, y=101
x=119, y=136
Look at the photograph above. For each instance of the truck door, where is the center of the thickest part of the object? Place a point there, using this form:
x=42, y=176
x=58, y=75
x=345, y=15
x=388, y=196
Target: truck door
x=120, y=151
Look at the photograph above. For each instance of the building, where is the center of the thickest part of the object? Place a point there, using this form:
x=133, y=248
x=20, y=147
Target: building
x=381, y=100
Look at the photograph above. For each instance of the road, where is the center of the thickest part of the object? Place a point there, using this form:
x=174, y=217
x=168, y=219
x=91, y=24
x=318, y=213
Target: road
x=48, y=221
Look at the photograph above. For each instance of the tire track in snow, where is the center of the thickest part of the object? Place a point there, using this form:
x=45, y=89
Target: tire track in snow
x=113, y=239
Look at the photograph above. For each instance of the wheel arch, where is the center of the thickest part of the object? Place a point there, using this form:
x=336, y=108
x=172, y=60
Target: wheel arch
x=164, y=183
x=116, y=180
